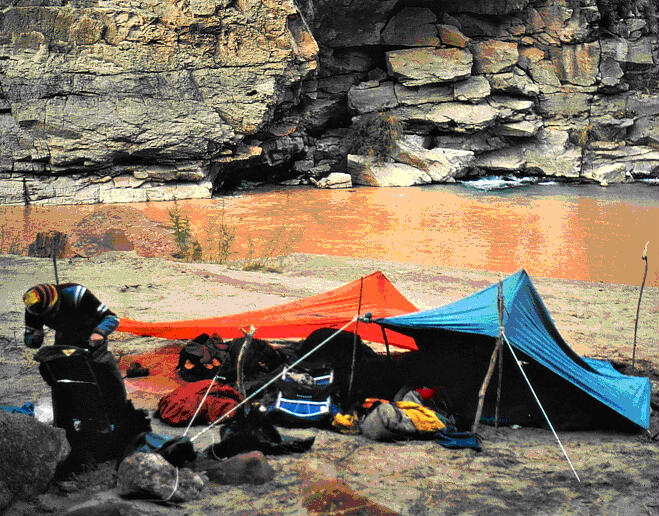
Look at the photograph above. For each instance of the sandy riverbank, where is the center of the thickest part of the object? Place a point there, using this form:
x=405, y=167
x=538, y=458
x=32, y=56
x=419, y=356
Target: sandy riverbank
x=518, y=472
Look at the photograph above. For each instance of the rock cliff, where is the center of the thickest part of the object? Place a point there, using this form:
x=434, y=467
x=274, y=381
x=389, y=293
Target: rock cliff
x=115, y=100
x=108, y=100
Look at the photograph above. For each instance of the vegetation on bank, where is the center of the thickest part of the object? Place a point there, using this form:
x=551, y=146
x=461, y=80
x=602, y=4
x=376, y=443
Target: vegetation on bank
x=221, y=237
x=374, y=135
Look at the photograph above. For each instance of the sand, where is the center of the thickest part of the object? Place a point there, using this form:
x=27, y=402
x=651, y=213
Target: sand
x=519, y=471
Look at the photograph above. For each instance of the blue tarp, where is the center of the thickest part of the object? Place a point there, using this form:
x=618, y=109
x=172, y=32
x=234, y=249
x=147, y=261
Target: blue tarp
x=530, y=329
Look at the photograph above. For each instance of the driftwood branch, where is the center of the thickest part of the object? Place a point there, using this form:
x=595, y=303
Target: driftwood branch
x=493, y=359
x=354, y=345
x=500, y=308
x=644, y=257
x=486, y=381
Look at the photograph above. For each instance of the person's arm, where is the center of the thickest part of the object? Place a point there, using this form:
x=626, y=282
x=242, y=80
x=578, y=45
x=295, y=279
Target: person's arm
x=33, y=337
x=107, y=320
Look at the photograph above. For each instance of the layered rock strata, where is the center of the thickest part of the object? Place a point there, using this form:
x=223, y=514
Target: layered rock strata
x=105, y=101
x=554, y=88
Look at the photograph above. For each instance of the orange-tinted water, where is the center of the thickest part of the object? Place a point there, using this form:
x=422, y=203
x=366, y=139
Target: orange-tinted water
x=572, y=232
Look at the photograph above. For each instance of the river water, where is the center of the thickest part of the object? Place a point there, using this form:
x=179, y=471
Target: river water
x=582, y=232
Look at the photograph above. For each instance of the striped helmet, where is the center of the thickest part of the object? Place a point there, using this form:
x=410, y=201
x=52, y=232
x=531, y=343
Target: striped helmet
x=40, y=299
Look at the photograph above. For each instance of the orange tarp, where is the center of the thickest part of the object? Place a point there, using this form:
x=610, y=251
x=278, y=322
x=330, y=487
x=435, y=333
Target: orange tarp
x=299, y=318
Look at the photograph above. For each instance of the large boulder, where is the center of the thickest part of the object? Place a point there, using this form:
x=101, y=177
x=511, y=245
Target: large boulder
x=31, y=452
x=428, y=65
x=369, y=172
x=606, y=174
x=552, y=154
x=440, y=164
x=639, y=161
x=333, y=181
x=245, y=468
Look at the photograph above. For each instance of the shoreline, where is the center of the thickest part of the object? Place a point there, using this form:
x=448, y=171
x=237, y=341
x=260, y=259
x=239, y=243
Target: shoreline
x=587, y=233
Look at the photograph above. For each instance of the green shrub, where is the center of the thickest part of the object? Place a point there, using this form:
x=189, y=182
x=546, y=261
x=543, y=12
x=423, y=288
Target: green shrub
x=221, y=237
x=189, y=248
x=374, y=135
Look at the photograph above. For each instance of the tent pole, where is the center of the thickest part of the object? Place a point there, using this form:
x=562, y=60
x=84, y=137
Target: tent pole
x=486, y=381
x=541, y=407
x=386, y=341
x=644, y=257
x=240, y=373
x=496, y=409
x=500, y=308
x=490, y=370
x=354, y=341
x=54, y=251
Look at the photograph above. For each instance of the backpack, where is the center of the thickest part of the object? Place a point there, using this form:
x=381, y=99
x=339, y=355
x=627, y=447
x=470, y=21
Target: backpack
x=202, y=357
x=303, y=397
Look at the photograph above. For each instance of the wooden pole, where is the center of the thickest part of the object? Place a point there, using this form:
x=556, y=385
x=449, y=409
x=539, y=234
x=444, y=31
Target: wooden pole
x=354, y=341
x=55, y=261
x=386, y=341
x=240, y=380
x=500, y=308
x=490, y=370
x=644, y=257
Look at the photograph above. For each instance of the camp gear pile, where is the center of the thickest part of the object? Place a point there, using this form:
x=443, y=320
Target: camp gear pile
x=430, y=391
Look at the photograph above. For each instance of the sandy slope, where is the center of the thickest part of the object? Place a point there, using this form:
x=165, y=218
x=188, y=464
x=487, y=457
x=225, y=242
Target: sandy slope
x=519, y=471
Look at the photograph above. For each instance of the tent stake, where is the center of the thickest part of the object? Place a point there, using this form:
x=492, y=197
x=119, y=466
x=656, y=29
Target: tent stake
x=644, y=257
x=540, y=405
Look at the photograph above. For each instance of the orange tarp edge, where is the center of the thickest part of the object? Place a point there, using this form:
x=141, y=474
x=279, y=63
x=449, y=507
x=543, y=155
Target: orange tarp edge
x=299, y=318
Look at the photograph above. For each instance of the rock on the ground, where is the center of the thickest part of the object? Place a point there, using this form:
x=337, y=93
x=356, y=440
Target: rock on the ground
x=246, y=468
x=30, y=452
x=149, y=474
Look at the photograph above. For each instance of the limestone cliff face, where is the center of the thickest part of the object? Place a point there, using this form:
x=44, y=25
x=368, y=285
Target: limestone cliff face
x=133, y=99
x=134, y=93
x=558, y=88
